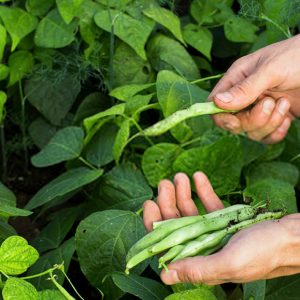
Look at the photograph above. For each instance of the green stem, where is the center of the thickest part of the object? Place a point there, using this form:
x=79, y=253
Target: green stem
x=287, y=32
x=4, y=274
x=42, y=273
x=23, y=127
x=140, y=129
x=111, y=49
x=207, y=78
x=197, y=139
x=138, y=212
x=3, y=151
x=87, y=163
x=70, y=282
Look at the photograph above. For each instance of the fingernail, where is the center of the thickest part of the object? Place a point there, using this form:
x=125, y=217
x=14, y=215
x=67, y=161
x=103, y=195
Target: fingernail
x=268, y=106
x=283, y=107
x=171, y=277
x=225, y=97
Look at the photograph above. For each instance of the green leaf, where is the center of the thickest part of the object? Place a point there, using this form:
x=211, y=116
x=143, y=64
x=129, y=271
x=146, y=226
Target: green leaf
x=129, y=68
x=233, y=32
x=6, y=231
x=68, y=9
x=91, y=121
x=285, y=288
x=20, y=63
x=2, y=41
x=64, y=184
x=252, y=150
x=166, y=18
x=4, y=71
x=3, y=98
x=51, y=295
x=124, y=187
x=126, y=92
x=66, y=144
x=254, y=289
x=38, y=7
x=18, y=23
x=199, y=294
x=102, y=242
x=199, y=38
x=7, y=198
x=16, y=256
x=137, y=103
x=277, y=194
x=53, y=32
x=62, y=254
x=157, y=162
x=121, y=139
x=16, y=288
x=220, y=161
x=276, y=170
x=133, y=32
x=99, y=150
x=52, y=99
x=10, y=211
x=165, y=53
x=141, y=287
x=52, y=235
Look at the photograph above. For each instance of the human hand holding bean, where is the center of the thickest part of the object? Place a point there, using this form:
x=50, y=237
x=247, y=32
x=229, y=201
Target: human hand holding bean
x=262, y=251
x=269, y=78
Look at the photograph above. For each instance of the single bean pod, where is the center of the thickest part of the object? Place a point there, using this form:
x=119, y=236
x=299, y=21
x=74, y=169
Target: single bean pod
x=196, y=247
x=168, y=226
x=172, y=253
x=193, y=231
x=198, y=109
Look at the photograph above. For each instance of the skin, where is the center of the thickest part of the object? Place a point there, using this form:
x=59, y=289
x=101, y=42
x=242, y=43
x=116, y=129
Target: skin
x=269, y=80
x=245, y=258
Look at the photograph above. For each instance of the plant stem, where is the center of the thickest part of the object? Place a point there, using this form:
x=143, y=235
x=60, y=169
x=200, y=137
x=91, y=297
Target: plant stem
x=207, y=78
x=3, y=151
x=70, y=282
x=111, y=49
x=197, y=139
x=87, y=163
x=287, y=32
x=138, y=212
x=140, y=129
x=23, y=127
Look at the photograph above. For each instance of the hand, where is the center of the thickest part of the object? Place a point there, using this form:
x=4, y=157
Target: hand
x=272, y=71
x=175, y=200
x=263, y=251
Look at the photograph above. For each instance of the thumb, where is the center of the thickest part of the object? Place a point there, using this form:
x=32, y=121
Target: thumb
x=245, y=92
x=200, y=269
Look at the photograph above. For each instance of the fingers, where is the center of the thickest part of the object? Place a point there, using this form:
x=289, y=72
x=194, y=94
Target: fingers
x=228, y=122
x=206, y=193
x=151, y=213
x=185, y=203
x=280, y=133
x=201, y=269
x=166, y=200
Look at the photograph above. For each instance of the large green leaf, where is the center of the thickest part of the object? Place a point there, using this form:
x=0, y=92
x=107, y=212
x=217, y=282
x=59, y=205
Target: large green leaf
x=99, y=149
x=6, y=230
x=157, y=162
x=52, y=99
x=233, y=32
x=121, y=139
x=199, y=294
x=66, y=144
x=275, y=169
x=166, y=18
x=142, y=287
x=277, y=194
x=18, y=23
x=131, y=31
x=64, y=184
x=20, y=63
x=68, y=9
x=51, y=295
x=38, y=7
x=124, y=187
x=2, y=40
x=102, y=242
x=221, y=161
x=62, y=254
x=7, y=199
x=198, y=37
x=255, y=290
x=166, y=53
x=3, y=98
x=16, y=256
x=16, y=288
x=285, y=288
x=53, y=32
x=4, y=71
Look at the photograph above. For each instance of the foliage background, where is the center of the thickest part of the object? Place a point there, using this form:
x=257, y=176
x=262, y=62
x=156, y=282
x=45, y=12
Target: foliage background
x=80, y=80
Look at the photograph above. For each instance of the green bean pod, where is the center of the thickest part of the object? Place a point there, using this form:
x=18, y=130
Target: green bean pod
x=198, y=109
x=193, y=231
x=172, y=253
x=195, y=247
x=168, y=226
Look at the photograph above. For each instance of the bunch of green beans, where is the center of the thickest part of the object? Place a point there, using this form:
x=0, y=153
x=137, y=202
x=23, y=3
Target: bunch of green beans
x=195, y=235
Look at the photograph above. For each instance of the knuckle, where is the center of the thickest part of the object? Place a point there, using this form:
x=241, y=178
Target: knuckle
x=254, y=136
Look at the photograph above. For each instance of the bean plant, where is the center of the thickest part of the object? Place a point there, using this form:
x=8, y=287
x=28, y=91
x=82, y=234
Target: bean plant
x=108, y=97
